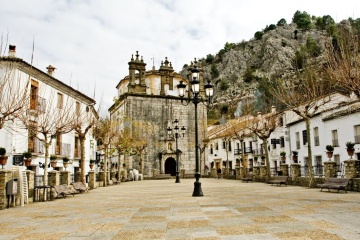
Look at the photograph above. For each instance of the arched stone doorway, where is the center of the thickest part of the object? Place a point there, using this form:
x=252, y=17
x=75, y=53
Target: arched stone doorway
x=170, y=166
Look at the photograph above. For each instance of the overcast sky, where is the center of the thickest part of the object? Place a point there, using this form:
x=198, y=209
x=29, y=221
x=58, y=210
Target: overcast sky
x=90, y=42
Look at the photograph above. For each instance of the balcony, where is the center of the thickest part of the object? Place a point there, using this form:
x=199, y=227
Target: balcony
x=35, y=146
x=63, y=149
x=38, y=104
x=241, y=151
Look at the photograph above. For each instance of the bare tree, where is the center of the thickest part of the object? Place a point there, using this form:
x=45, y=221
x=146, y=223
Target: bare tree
x=262, y=126
x=14, y=94
x=303, y=93
x=105, y=131
x=141, y=132
x=84, y=119
x=122, y=142
x=51, y=120
x=343, y=61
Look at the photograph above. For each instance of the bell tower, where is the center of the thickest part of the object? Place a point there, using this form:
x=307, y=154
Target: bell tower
x=167, y=74
x=137, y=71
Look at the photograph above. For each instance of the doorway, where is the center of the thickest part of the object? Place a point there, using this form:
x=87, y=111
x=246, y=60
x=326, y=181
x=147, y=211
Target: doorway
x=170, y=166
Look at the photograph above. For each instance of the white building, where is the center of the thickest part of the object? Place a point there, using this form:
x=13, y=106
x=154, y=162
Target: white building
x=335, y=122
x=45, y=98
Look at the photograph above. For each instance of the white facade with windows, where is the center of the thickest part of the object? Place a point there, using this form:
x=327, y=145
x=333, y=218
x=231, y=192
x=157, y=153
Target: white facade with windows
x=44, y=94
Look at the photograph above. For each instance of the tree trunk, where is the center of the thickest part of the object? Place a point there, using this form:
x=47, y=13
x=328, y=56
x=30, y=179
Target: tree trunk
x=311, y=176
x=268, y=175
x=46, y=145
x=141, y=162
x=119, y=167
x=105, y=165
x=82, y=158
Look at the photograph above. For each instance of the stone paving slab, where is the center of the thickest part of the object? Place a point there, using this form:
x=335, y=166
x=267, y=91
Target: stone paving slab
x=163, y=209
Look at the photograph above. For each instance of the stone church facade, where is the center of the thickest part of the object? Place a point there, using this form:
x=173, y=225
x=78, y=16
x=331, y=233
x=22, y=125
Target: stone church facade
x=152, y=97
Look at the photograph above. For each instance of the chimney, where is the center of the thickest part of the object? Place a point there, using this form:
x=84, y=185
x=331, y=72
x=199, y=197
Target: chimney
x=273, y=109
x=51, y=70
x=12, y=51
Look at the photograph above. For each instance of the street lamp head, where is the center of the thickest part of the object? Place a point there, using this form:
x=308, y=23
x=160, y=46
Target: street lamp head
x=181, y=88
x=169, y=130
x=176, y=122
x=209, y=89
x=195, y=83
x=183, y=129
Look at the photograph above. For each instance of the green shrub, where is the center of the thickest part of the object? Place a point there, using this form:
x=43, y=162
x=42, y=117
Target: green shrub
x=258, y=35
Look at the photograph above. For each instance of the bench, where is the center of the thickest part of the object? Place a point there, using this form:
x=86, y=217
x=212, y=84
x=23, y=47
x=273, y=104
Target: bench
x=248, y=178
x=335, y=183
x=64, y=190
x=80, y=187
x=162, y=176
x=114, y=180
x=279, y=180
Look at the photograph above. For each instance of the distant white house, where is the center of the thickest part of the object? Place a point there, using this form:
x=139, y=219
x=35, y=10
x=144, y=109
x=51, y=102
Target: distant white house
x=44, y=92
x=335, y=122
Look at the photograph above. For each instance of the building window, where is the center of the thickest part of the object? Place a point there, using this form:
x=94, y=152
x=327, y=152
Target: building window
x=334, y=136
x=34, y=94
x=281, y=122
x=60, y=101
x=229, y=146
x=297, y=136
x=217, y=146
x=304, y=135
x=77, y=109
x=224, y=144
x=316, y=136
x=357, y=134
x=282, y=142
x=211, y=149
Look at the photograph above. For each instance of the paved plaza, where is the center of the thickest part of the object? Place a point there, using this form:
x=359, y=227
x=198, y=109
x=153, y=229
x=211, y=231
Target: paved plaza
x=162, y=209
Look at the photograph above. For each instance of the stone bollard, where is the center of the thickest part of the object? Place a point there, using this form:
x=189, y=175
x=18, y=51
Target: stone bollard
x=92, y=180
x=284, y=168
x=31, y=184
x=330, y=169
x=295, y=171
x=5, y=176
x=53, y=178
x=77, y=177
x=102, y=178
x=242, y=172
x=237, y=177
x=263, y=172
x=65, y=177
x=256, y=172
x=350, y=168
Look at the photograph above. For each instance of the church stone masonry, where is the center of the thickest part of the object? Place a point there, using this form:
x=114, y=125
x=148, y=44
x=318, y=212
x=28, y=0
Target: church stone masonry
x=152, y=97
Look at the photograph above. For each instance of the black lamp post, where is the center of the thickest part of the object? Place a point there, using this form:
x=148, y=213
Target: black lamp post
x=176, y=135
x=195, y=98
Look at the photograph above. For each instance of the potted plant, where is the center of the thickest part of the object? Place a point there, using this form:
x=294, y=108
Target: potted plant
x=53, y=158
x=329, y=150
x=283, y=156
x=65, y=162
x=295, y=156
x=350, y=148
x=27, y=158
x=3, y=158
x=91, y=165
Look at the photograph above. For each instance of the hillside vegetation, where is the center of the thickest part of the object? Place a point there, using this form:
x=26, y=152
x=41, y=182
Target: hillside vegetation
x=280, y=49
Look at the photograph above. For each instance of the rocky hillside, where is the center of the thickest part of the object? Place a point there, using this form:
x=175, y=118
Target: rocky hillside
x=236, y=69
